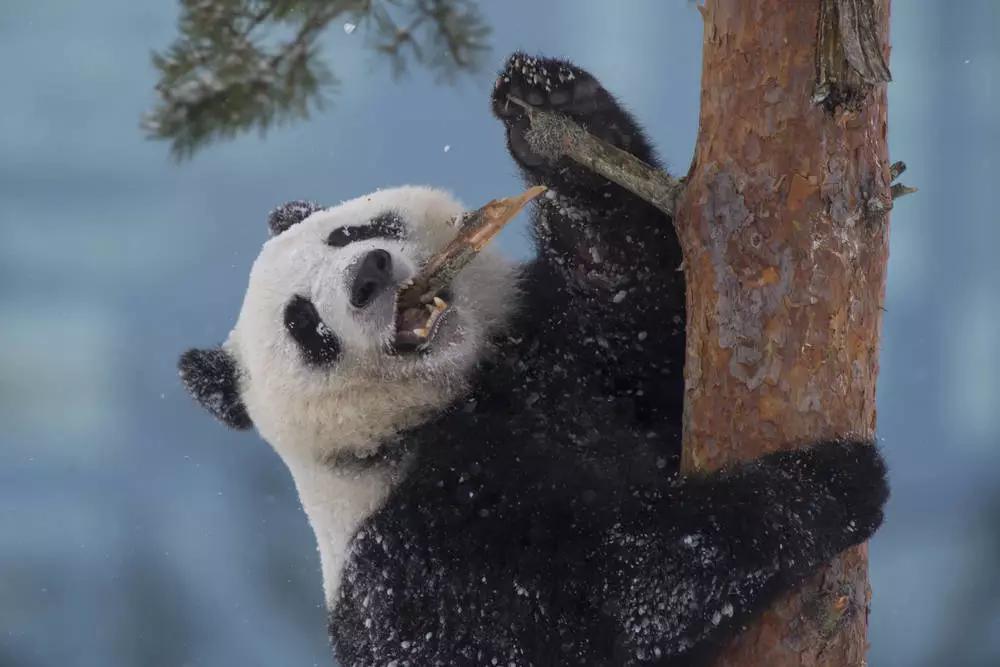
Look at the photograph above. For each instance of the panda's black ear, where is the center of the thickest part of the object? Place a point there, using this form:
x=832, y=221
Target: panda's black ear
x=211, y=377
x=290, y=213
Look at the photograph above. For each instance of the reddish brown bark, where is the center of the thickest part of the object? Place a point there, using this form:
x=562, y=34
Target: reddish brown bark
x=784, y=225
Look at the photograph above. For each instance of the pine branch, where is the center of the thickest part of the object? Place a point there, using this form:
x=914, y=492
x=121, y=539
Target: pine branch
x=229, y=72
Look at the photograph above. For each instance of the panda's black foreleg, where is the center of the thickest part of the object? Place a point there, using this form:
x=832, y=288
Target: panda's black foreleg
x=663, y=575
x=608, y=273
x=596, y=234
x=734, y=540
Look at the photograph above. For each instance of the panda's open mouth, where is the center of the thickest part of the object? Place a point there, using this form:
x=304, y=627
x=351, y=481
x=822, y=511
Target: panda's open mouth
x=417, y=327
x=422, y=302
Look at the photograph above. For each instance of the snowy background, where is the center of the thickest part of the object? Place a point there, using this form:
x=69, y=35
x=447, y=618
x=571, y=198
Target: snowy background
x=136, y=531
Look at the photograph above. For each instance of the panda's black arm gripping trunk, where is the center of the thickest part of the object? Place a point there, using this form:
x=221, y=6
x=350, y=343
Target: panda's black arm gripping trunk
x=639, y=580
x=738, y=538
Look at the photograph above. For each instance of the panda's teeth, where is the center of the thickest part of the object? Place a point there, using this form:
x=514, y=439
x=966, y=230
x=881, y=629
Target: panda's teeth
x=421, y=332
x=440, y=303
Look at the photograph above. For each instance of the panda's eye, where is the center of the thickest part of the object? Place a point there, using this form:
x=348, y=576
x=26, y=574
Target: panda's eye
x=317, y=343
x=388, y=225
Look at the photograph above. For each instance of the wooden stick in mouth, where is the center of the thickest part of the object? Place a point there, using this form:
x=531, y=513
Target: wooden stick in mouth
x=476, y=229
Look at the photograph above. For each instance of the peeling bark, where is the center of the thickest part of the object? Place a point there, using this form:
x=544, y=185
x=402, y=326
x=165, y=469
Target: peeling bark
x=849, y=59
x=784, y=222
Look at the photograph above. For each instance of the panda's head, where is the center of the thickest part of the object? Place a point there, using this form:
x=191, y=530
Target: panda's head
x=318, y=361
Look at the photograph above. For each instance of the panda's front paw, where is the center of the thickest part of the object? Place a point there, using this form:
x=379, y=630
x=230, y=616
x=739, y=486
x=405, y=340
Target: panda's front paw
x=545, y=83
x=552, y=85
x=855, y=474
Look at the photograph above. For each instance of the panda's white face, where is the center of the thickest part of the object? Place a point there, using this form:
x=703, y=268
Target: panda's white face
x=324, y=367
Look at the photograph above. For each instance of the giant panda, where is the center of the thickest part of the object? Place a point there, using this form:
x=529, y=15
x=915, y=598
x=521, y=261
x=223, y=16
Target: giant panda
x=494, y=480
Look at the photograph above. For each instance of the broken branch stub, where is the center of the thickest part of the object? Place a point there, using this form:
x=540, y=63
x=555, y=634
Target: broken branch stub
x=554, y=135
x=476, y=229
x=849, y=58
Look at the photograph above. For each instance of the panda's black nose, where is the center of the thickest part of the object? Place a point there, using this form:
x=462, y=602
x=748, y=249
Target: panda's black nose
x=373, y=276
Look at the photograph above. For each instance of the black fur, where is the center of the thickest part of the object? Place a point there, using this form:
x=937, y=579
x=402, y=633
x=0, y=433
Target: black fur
x=608, y=273
x=317, y=343
x=290, y=213
x=529, y=556
x=386, y=225
x=543, y=521
x=210, y=376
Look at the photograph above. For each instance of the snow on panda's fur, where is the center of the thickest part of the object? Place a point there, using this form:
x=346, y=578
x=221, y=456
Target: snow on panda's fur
x=508, y=494
x=312, y=372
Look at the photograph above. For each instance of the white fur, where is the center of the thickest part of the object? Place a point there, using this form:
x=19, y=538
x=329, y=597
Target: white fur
x=336, y=502
x=312, y=416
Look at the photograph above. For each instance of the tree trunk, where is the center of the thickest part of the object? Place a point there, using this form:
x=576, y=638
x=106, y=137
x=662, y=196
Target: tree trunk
x=784, y=224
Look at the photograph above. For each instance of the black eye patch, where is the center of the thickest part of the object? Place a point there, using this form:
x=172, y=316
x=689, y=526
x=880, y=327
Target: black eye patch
x=318, y=344
x=388, y=225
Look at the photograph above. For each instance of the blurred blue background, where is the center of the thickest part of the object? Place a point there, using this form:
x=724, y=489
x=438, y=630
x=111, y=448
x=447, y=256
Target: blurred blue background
x=134, y=530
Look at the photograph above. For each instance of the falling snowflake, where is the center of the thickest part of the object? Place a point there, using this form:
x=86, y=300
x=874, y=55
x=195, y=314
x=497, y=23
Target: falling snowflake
x=349, y=28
